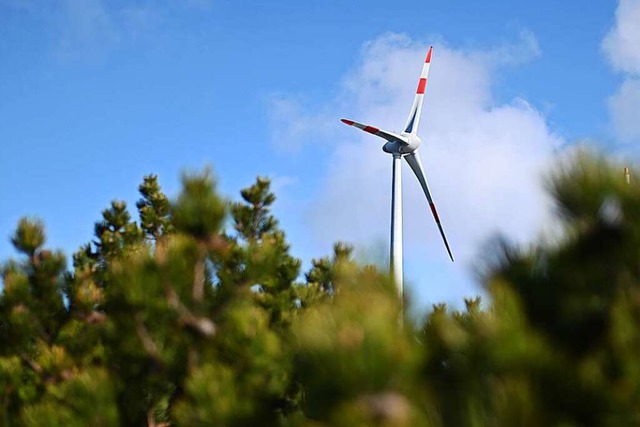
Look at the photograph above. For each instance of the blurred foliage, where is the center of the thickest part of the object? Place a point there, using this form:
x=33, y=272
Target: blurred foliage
x=175, y=320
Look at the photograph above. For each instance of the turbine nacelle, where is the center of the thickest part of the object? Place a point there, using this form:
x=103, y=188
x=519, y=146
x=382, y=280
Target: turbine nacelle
x=410, y=143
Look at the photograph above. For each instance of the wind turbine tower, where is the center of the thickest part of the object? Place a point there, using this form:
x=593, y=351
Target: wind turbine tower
x=405, y=145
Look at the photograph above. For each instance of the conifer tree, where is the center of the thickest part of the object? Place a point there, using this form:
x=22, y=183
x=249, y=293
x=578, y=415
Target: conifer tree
x=175, y=320
x=154, y=209
x=260, y=258
x=324, y=270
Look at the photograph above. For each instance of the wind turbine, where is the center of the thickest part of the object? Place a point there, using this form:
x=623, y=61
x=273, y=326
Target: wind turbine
x=405, y=145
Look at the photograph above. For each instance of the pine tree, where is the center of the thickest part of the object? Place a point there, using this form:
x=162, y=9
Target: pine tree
x=176, y=320
x=324, y=270
x=259, y=255
x=154, y=208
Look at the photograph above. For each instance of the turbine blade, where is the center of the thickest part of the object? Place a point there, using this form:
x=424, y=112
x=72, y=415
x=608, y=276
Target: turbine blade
x=416, y=165
x=389, y=136
x=416, y=109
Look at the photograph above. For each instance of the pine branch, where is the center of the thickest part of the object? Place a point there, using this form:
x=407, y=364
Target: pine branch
x=147, y=341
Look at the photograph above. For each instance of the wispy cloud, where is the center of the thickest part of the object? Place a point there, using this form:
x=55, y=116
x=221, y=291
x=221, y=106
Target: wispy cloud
x=520, y=51
x=85, y=27
x=484, y=160
x=293, y=126
x=624, y=107
x=94, y=29
x=622, y=48
x=296, y=121
x=622, y=42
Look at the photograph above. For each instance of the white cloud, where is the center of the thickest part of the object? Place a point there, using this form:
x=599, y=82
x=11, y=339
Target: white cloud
x=383, y=76
x=622, y=43
x=524, y=50
x=293, y=126
x=622, y=47
x=483, y=160
x=92, y=29
x=624, y=106
x=86, y=27
x=281, y=182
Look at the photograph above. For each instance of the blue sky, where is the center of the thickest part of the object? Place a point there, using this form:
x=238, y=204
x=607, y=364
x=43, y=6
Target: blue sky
x=94, y=94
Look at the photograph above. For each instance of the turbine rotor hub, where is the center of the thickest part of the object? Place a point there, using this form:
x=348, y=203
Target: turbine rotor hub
x=394, y=147
x=414, y=142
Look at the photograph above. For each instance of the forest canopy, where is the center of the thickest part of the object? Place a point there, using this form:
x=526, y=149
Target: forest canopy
x=195, y=313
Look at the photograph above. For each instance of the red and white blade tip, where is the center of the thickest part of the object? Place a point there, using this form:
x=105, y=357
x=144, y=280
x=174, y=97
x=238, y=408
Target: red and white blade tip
x=428, y=60
x=347, y=122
